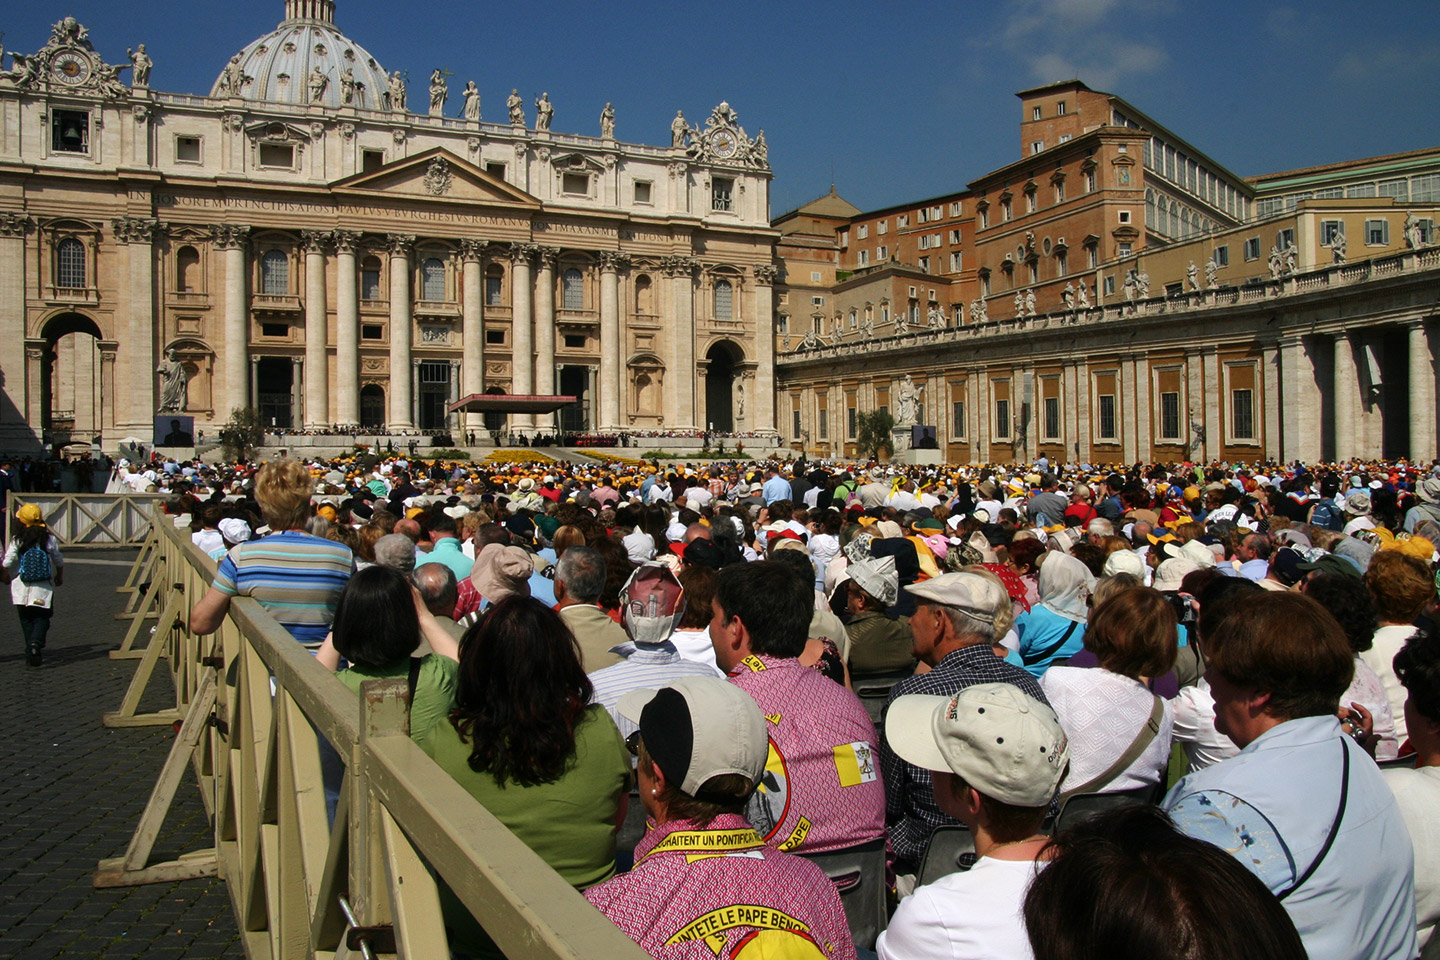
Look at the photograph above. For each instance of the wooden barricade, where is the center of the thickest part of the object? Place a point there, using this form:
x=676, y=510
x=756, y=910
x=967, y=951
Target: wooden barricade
x=255, y=706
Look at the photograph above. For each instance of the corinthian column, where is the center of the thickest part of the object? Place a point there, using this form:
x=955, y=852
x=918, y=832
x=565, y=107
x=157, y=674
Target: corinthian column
x=522, y=356
x=681, y=271
x=347, y=328
x=400, y=323
x=230, y=240
x=472, y=321
x=137, y=234
x=317, y=337
x=764, y=418
x=611, y=263
x=1422, y=395
x=14, y=431
x=545, y=322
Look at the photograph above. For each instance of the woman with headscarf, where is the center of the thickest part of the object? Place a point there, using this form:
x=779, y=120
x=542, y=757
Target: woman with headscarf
x=1054, y=629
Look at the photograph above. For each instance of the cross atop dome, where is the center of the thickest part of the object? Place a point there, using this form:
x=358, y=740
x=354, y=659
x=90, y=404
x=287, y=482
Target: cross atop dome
x=322, y=11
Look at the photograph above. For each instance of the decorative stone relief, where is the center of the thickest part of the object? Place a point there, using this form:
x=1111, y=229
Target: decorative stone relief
x=765, y=273
x=471, y=250
x=14, y=224
x=438, y=179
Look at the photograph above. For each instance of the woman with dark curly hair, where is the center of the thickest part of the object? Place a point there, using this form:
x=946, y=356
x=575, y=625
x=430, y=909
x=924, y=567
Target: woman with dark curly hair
x=526, y=742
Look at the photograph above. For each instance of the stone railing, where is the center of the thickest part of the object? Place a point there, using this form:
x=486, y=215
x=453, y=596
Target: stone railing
x=1331, y=276
x=253, y=706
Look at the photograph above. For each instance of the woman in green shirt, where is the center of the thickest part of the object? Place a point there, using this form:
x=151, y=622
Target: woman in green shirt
x=525, y=741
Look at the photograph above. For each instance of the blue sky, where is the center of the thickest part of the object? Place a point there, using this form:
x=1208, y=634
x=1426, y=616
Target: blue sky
x=892, y=101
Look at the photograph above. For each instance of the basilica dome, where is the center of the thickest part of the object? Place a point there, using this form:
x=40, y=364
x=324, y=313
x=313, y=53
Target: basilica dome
x=282, y=66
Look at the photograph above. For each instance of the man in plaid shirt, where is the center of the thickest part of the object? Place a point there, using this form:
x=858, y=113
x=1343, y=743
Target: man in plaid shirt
x=954, y=629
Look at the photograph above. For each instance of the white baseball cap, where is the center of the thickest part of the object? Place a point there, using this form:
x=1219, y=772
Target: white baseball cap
x=997, y=738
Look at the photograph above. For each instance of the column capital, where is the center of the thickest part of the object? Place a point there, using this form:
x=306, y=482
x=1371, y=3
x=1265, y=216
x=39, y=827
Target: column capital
x=547, y=256
x=137, y=229
x=14, y=224
x=346, y=241
x=230, y=236
x=523, y=253
x=612, y=261
x=297, y=361
x=254, y=360
x=472, y=250
x=316, y=241
x=680, y=266
x=400, y=244
x=765, y=273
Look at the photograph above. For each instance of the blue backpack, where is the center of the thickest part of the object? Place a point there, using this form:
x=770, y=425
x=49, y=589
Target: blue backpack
x=35, y=565
x=1327, y=516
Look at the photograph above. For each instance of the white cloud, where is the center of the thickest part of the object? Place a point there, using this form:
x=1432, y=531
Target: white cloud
x=1097, y=41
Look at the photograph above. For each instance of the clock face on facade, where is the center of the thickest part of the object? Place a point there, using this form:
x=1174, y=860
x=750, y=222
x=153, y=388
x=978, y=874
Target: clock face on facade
x=70, y=69
x=724, y=144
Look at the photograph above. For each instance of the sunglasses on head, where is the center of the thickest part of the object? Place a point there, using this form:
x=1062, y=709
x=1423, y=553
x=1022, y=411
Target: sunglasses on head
x=632, y=743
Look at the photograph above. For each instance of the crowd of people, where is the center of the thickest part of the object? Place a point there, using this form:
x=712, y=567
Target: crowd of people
x=1243, y=658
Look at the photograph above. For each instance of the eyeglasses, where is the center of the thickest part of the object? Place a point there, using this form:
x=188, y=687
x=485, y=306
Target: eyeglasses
x=632, y=743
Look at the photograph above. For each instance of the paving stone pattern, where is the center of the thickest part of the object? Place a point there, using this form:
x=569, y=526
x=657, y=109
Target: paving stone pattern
x=72, y=791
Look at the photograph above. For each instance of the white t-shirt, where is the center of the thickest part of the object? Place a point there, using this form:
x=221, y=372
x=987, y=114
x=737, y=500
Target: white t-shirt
x=1102, y=713
x=1195, y=728
x=1417, y=792
x=974, y=915
x=697, y=497
x=1381, y=658
x=695, y=645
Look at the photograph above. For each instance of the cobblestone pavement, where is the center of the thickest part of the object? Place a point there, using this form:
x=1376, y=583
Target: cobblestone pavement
x=72, y=791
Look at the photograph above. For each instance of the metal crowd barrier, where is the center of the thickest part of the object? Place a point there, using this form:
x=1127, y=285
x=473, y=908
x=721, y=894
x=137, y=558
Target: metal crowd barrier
x=90, y=519
x=250, y=701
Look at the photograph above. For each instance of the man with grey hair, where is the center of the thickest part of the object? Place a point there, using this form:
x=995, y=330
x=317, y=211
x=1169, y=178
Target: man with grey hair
x=954, y=634
x=1098, y=529
x=396, y=551
x=579, y=581
x=439, y=591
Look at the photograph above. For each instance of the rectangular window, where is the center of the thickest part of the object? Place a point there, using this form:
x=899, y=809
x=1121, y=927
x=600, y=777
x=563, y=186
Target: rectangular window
x=1242, y=407
x=642, y=191
x=575, y=184
x=372, y=331
x=957, y=418
x=1109, y=286
x=575, y=341
x=1002, y=419
x=925, y=264
x=1427, y=230
x=985, y=285
x=1399, y=189
x=817, y=301
x=883, y=227
x=1360, y=190
x=1060, y=191
x=1062, y=262
x=1107, y=416
x=494, y=336
x=1425, y=189
x=814, y=276
x=1329, y=230
x=492, y=291
x=1377, y=233
x=1124, y=216
x=187, y=149
x=863, y=258
x=1060, y=109
x=796, y=432
x=954, y=236
x=956, y=262
x=1285, y=238
x=984, y=219
x=1123, y=250
x=1052, y=418
x=369, y=284
x=1006, y=211
x=69, y=131
x=722, y=191
x=1034, y=113
x=274, y=329
x=824, y=423
x=902, y=221
x=280, y=155
x=882, y=253
x=1222, y=256
x=496, y=170
x=844, y=239
x=371, y=160
x=1090, y=181
x=851, y=414
x=1252, y=248
x=1036, y=146
x=955, y=208
x=1169, y=416
x=1092, y=257
x=862, y=231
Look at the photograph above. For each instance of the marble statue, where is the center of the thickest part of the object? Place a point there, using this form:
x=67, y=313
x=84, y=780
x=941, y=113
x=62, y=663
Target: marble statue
x=1030, y=303
x=1084, y=295
x=607, y=122
x=1067, y=296
x=1413, y=239
x=516, y=107
x=174, y=385
x=936, y=318
x=26, y=72
x=1192, y=275
x=867, y=327
x=1029, y=243
x=107, y=78
x=979, y=312
x=809, y=341
x=678, y=130
x=544, y=112
x=1142, y=284
x=1292, y=254
x=317, y=83
x=347, y=86
x=902, y=323
x=141, y=63
x=1337, y=248
x=1019, y=304
x=1131, y=285
x=232, y=79
x=835, y=329
x=1212, y=273
x=439, y=93
x=740, y=399
x=907, y=401
x=1276, y=261
x=760, y=150
x=471, y=93
x=397, y=92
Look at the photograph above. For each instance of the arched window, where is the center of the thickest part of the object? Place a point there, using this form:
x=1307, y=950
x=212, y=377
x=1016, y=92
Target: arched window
x=370, y=279
x=573, y=285
x=494, y=279
x=432, y=279
x=70, y=263
x=724, y=300
x=187, y=270
x=644, y=296
x=274, y=273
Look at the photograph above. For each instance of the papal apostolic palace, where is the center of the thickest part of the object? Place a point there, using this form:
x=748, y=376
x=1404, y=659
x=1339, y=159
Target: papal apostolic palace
x=298, y=240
